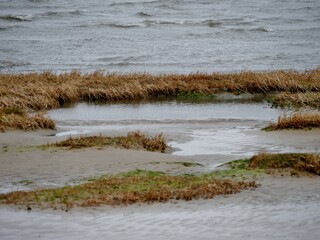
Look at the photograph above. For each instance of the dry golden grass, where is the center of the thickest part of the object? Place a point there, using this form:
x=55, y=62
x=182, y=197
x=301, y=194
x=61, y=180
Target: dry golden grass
x=297, y=162
x=134, y=140
x=127, y=189
x=297, y=100
x=48, y=90
x=296, y=121
x=18, y=119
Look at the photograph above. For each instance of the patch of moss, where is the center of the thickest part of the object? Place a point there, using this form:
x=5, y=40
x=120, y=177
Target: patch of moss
x=238, y=169
x=142, y=173
x=138, y=186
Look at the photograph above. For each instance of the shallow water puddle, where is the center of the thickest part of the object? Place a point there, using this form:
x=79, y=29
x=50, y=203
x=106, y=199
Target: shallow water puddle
x=191, y=128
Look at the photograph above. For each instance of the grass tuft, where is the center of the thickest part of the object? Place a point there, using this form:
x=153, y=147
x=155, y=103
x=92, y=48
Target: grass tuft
x=297, y=100
x=296, y=121
x=13, y=118
x=297, y=162
x=133, y=140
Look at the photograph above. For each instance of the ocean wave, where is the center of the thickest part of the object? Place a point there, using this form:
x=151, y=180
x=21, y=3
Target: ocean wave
x=8, y=64
x=61, y=14
x=121, y=4
x=20, y=18
x=209, y=22
x=144, y=14
x=148, y=23
x=123, y=25
x=261, y=29
x=125, y=63
x=5, y=28
x=258, y=29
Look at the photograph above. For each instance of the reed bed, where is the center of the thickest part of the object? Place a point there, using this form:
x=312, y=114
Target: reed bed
x=18, y=119
x=298, y=120
x=297, y=162
x=127, y=189
x=134, y=140
x=47, y=90
x=297, y=100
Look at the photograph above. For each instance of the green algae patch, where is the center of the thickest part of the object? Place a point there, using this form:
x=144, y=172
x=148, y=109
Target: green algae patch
x=138, y=186
x=238, y=169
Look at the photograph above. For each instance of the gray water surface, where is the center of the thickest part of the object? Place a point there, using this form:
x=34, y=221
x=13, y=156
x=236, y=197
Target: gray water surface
x=190, y=128
x=159, y=36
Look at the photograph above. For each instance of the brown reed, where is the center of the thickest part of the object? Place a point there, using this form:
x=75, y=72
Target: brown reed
x=297, y=100
x=133, y=140
x=297, y=162
x=17, y=119
x=48, y=90
x=298, y=120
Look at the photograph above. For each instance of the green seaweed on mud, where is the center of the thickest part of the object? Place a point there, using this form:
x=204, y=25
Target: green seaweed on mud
x=145, y=186
x=138, y=186
x=237, y=169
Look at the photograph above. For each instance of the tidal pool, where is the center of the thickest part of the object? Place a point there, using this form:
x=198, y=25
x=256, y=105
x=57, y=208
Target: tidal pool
x=191, y=128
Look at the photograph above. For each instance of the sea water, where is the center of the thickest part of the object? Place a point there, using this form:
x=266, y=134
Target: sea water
x=159, y=36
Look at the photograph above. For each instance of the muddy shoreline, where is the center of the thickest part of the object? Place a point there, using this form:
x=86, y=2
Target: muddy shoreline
x=281, y=208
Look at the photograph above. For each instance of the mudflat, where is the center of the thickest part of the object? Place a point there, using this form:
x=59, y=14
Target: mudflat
x=283, y=207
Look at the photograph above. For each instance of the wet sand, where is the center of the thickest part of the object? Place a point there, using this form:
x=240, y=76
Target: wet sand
x=282, y=208
x=25, y=166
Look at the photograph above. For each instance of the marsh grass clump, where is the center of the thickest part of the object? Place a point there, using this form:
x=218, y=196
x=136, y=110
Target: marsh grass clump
x=137, y=187
x=296, y=121
x=133, y=140
x=295, y=162
x=14, y=118
x=297, y=100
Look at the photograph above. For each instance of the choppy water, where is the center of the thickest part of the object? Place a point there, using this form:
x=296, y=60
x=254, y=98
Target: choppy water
x=159, y=35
